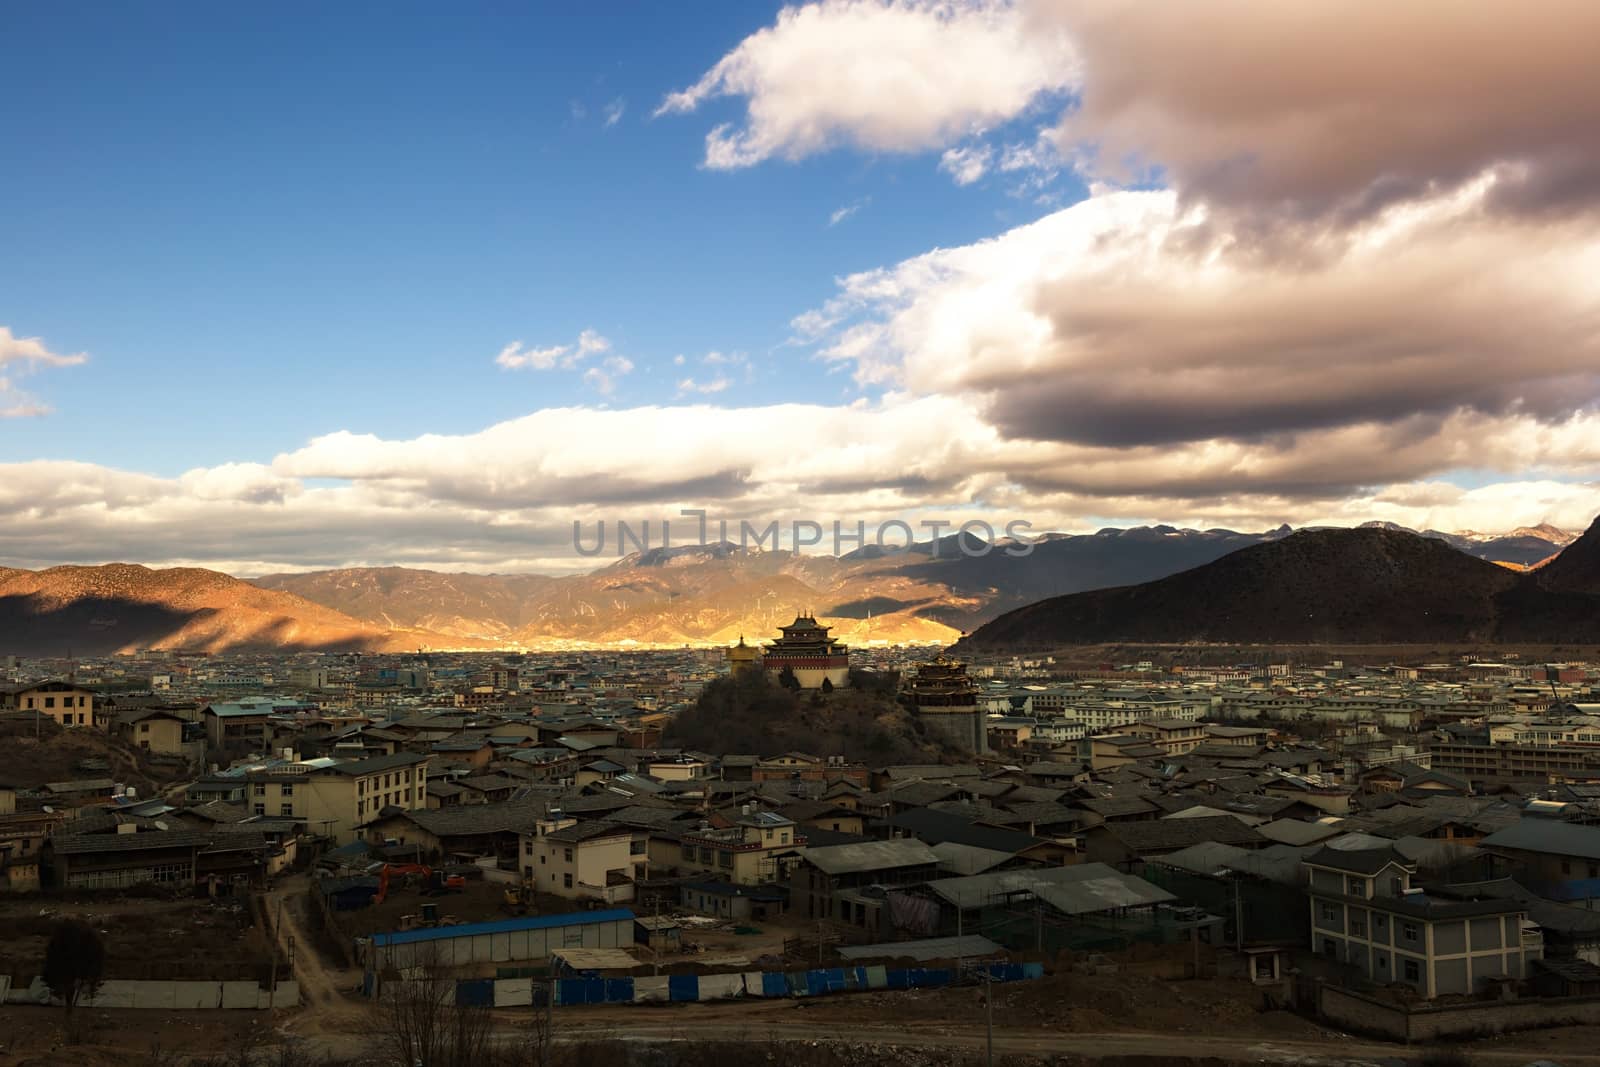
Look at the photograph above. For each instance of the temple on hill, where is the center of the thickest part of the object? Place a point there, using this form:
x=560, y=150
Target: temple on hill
x=946, y=699
x=807, y=650
x=743, y=657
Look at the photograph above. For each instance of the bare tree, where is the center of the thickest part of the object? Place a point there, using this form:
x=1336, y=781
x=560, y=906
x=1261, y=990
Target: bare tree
x=422, y=1022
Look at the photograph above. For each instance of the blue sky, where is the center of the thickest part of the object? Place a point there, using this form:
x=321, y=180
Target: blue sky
x=324, y=285
x=263, y=226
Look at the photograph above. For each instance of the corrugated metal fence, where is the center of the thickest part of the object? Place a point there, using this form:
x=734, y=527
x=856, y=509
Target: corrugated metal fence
x=520, y=992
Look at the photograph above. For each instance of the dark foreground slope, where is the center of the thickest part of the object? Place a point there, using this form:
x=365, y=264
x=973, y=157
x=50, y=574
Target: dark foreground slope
x=1363, y=586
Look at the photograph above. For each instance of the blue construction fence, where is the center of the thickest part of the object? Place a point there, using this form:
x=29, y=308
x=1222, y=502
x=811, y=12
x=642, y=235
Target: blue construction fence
x=521, y=992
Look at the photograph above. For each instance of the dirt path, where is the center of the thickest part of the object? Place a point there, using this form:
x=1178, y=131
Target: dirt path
x=328, y=1003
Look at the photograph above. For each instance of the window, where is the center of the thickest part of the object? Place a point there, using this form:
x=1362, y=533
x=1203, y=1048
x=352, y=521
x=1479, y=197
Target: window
x=286, y=811
x=566, y=881
x=49, y=702
x=567, y=855
x=783, y=838
x=286, y=789
x=260, y=789
x=1358, y=926
x=688, y=853
x=725, y=859
x=1566, y=865
x=80, y=702
x=1413, y=973
x=260, y=809
x=1410, y=932
x=544, y=858
x=144, y=728
x=1356, y=887
x=1329, y=913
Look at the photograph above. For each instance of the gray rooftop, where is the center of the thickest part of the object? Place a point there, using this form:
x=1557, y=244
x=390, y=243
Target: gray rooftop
x=1078, y=890
x=933, y=948
x=871, y=856
x=1548, y=835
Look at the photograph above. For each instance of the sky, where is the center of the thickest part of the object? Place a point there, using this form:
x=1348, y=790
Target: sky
x=384, y=284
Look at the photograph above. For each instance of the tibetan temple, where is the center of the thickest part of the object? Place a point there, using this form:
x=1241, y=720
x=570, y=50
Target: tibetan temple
x=806, y=649
x=946, y=699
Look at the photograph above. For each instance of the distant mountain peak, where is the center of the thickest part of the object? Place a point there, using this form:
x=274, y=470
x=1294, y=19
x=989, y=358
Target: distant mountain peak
x=1545, y=532
x=1376, y=584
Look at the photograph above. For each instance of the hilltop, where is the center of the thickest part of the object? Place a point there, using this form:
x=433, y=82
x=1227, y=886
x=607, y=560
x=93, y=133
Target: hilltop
x=123, y=606
x=1370, y=585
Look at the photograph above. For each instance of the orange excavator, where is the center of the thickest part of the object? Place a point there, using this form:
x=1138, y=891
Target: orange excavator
x=432, y=882
x=399, y=868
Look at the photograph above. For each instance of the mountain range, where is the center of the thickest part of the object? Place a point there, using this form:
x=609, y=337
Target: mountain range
x=691, y=594
x=1370, y=585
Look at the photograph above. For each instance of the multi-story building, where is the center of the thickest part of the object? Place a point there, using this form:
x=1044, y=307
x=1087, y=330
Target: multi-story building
x=1365, y=912
x=65, y=703
x=584, y=860
x=245, y=726
x=1175, y=737
x=333, y=798
x=152, y=729
x=760, y=848
x=1479, y=760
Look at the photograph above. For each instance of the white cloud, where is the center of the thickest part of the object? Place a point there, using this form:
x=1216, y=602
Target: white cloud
x=883, y=75
x=604, y=377
x=24, y=356
x=715, y=385
x=1130, y=319
x=514, y=356
x=612, y=112
x=504, y=498
x=30, y=352
x=967, y=164
x=1331, y=109
x=840, y=214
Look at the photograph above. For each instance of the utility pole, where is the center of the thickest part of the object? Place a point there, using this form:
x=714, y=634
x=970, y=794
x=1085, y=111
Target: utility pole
x=1238, y=914
x=988, y=1017
x=655, y=936
x=549, y=1017
x=277, y=932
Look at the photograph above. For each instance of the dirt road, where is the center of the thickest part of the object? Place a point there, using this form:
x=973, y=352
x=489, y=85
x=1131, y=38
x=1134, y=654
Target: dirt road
x=328, y=1003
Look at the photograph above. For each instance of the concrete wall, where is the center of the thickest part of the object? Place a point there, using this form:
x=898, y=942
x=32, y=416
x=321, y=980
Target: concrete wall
x=169, y=996
x=1352, y=1011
